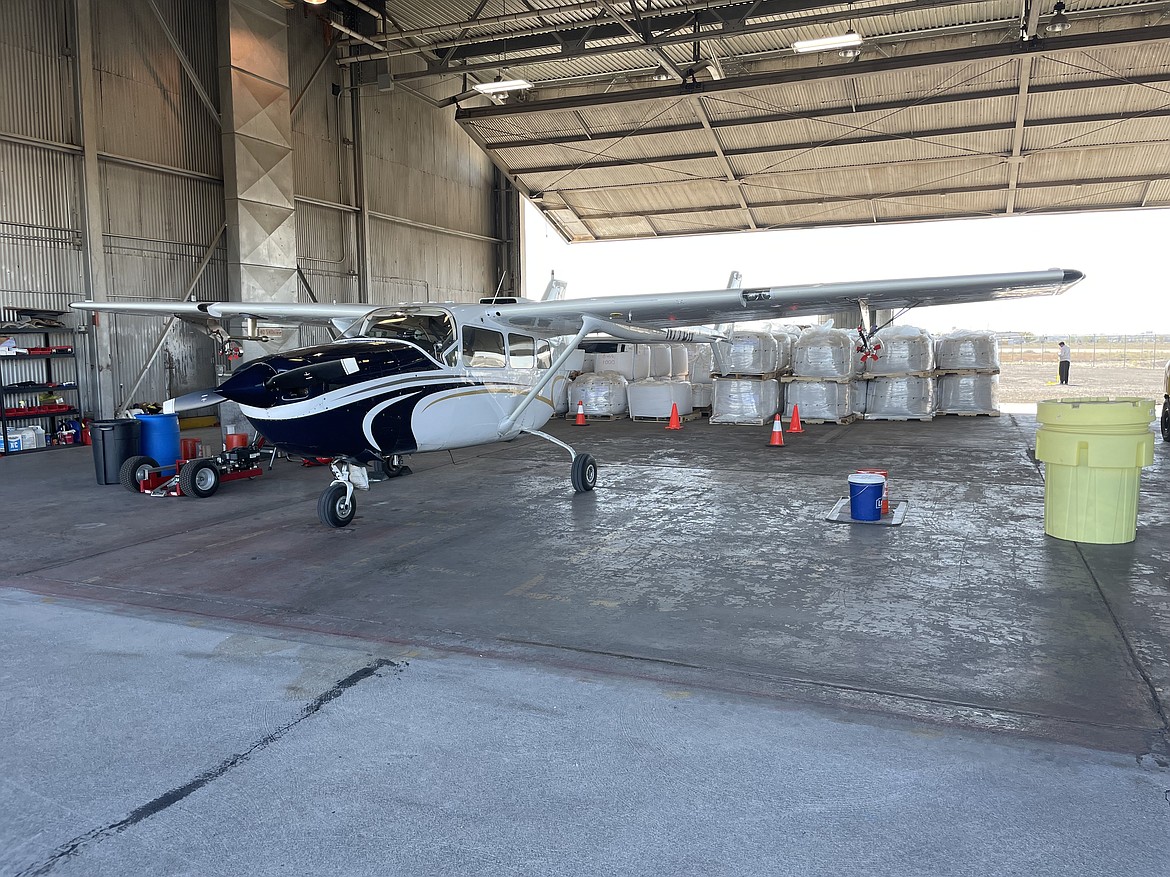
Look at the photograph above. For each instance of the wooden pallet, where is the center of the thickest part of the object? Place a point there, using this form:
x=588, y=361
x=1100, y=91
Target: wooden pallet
x=895, y=375
x=763, y=422
x=692, y=415
x=771, y=376
x=818, y=420
x=801, y=379
x=597, y=417
x=967, y=413
x=925, y=419
x=966, y=371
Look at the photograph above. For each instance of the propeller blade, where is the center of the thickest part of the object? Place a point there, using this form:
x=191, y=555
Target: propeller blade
x=191, y=401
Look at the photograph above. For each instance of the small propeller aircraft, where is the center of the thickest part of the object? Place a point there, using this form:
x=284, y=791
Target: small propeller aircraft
x=421, y=377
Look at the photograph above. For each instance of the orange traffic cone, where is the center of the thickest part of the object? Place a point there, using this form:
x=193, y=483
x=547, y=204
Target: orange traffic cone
x=777, y=439
x=794, y=424
x=674, y=421
x=581, y=414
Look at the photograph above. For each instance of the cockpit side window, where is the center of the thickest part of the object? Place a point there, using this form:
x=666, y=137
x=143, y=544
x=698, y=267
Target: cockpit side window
x=521, y=350
x=433, y=331
x=483, y=348
x=543, y=354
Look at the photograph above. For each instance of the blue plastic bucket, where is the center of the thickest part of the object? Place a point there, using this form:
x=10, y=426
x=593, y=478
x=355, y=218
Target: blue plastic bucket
x=160, y=437
x=865, y=496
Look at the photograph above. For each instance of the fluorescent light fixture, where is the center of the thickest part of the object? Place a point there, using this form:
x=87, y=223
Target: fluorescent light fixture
x=824, y=44
x=502, y=86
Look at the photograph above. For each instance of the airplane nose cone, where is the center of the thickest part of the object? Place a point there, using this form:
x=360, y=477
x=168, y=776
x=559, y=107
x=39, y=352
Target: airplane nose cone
x=246, y=386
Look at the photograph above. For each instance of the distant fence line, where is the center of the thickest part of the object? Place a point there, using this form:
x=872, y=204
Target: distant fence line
x=1132, y=351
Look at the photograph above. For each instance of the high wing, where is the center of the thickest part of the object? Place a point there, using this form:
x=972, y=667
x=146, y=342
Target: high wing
x=629, y=315
x=340, y=315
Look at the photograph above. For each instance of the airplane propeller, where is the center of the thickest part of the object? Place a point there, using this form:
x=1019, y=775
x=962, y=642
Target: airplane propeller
x=191, y=401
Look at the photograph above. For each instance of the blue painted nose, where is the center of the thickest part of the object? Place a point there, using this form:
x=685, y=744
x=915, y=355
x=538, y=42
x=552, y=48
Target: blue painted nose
x=247, y=386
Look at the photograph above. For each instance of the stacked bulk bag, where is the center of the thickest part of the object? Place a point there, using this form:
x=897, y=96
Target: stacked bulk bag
x=900, y=378
x=603, y=394
x=747, y=400
x=967, y=394
x=900, y=397
x=746, y=353
x=905, y=350
x=825, y=352
x=824, y=363
x=820, y=400
x=964, y=350
x=967, y=369
x=653, y=399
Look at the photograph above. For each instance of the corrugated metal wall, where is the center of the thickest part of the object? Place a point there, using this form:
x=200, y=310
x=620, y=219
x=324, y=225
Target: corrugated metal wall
x=161, y=179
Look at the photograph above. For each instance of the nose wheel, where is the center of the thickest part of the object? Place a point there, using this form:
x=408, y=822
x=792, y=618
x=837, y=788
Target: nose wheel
x=337, y=506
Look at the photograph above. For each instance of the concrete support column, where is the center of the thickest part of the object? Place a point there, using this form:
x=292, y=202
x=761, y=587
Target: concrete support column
x=257, y=158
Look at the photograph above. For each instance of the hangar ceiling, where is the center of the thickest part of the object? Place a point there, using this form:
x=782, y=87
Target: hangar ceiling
x=654, y=118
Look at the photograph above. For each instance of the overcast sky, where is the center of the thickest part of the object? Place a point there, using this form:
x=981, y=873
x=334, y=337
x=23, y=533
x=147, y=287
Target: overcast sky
x=1123, y=255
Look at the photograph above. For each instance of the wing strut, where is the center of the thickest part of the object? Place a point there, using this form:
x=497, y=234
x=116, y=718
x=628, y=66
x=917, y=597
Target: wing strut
x=587, y=326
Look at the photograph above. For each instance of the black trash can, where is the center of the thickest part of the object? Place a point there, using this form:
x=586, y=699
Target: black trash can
x=114, y=442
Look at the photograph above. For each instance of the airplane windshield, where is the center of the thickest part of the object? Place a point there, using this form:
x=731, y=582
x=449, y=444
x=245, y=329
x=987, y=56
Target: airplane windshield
x=431, y=329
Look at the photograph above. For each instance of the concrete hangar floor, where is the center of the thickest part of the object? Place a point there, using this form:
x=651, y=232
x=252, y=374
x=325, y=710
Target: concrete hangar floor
x=686, y=672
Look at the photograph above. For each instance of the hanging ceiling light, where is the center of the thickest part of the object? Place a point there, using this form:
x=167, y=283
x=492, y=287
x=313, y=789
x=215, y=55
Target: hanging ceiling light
x=823, y=44
x=1059, y=22
x=499, y=85
x=316, y=2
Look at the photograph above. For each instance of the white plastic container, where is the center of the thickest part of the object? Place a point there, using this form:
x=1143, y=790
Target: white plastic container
x=747, y=353
x=905, y=350
x=967, y=394
x=965, y=349
x=820, y=400
x=895, y=397
x=825, y=352
x=603, y=393
x=745, y=400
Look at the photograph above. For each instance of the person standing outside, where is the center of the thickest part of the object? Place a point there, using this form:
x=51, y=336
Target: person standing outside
x=1065, y=361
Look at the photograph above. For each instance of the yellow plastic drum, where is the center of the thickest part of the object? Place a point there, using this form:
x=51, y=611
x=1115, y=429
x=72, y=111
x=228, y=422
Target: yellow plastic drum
x=1093, y=452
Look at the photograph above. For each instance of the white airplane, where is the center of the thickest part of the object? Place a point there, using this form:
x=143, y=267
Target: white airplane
x=421, y=377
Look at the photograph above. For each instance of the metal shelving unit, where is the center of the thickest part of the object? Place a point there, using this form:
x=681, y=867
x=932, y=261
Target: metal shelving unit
x=13, y=412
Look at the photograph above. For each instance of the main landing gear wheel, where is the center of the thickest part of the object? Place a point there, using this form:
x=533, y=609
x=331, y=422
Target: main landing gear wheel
x=584, y=473
x=393, y=470
x=336, y=507
x=1166, y=419
x=134, y=470
x=199, y=478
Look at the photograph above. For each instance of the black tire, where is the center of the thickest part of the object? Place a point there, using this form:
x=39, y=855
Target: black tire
x=199, y=478
x=132, y=472
x=392, y=470
x=584, y=473
x=1166, y=419
x=332, y=508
